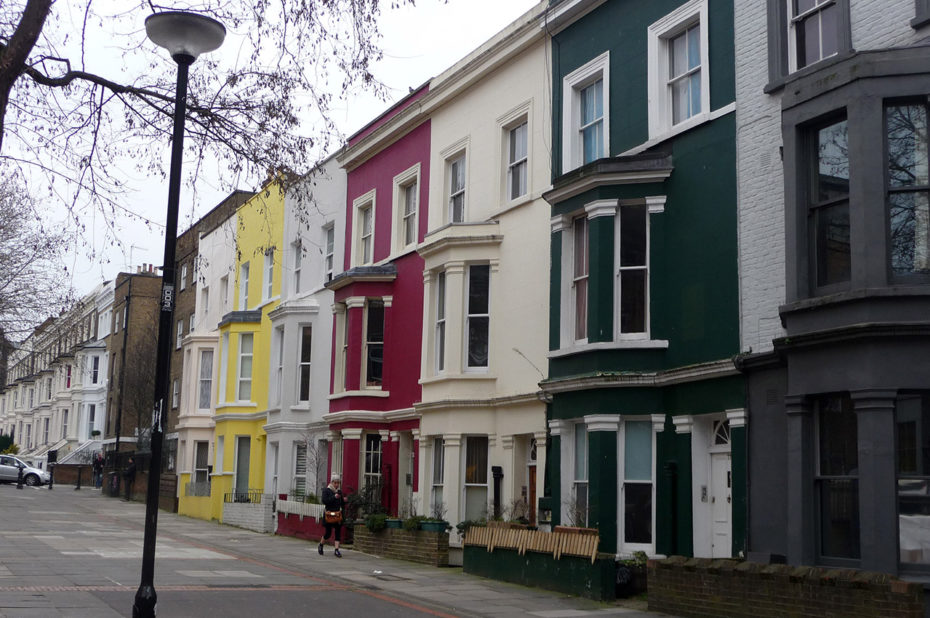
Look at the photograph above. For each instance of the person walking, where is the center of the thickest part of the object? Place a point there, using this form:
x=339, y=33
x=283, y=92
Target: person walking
x=98, y=470
x=129, y=476
x=333, y=502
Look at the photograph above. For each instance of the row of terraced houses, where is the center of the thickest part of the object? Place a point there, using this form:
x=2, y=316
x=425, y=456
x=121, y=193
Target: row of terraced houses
x=659, y=268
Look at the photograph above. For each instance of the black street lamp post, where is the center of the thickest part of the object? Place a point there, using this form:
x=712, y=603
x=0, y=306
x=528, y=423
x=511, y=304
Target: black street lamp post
x=185, y=36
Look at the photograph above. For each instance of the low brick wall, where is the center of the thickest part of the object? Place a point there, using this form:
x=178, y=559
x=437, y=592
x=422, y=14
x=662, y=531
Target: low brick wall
x=67, y=474
x=416, y=545
x=257, y=517
x=704, y=587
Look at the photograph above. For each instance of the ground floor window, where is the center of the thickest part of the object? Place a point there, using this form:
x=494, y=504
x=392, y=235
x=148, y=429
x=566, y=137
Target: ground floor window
x=912, y=454
x=372, y=476
x=637, y=483
x=578, y=507
x=201, y=453
x=300, y=469
x=837, y=478
x=476, y=477
x=436, y=500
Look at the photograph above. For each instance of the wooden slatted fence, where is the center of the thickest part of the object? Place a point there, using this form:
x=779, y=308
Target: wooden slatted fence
x=581, y=542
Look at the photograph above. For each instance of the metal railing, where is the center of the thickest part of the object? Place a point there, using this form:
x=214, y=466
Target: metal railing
x=250, y=496
x=197, y=489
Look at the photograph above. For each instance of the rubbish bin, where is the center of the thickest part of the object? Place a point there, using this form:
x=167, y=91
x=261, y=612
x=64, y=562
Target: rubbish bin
x=113, y=484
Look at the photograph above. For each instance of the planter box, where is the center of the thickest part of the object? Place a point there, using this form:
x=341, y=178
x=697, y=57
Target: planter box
x=433, y=526
x=394, y=524
x=415, y=545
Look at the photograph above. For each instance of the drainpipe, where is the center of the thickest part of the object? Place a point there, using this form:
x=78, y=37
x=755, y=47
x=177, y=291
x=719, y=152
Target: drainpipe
x=498, y=474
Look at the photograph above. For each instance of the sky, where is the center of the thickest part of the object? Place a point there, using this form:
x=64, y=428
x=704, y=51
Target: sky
x=419, y=42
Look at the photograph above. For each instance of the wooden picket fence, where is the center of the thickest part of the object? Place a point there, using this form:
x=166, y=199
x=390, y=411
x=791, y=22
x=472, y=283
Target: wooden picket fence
x=561, y=541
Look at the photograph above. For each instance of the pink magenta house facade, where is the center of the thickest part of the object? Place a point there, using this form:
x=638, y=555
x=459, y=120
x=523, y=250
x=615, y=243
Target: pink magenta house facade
x=378, y=309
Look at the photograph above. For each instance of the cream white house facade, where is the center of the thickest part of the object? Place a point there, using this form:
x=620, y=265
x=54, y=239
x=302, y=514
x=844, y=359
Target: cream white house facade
x=485, y=281
x=301, y=343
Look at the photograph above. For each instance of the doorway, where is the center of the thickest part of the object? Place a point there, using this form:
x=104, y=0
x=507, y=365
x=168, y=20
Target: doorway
x=243, y=445
x=721, y=499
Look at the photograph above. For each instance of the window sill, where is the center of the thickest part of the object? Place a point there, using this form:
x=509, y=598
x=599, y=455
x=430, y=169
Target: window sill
x=237, y=404
x=920, y=21
x=363, y=393
x=451, y=377
x=680, y=128
x=265, y=302
x=626, y=344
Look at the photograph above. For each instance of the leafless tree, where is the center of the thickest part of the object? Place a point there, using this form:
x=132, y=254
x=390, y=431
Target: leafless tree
x=85, y=97
x=32, y=283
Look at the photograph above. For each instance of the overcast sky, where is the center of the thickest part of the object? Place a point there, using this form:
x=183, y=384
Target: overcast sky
x=419, y=42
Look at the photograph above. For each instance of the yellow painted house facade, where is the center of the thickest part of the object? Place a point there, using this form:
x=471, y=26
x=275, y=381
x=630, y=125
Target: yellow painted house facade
x=252, y=291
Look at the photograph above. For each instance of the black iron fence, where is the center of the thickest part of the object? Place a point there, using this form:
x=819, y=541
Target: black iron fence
x=250, y=496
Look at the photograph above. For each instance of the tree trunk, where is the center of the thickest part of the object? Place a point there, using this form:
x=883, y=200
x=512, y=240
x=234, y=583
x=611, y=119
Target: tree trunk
x=14, y=55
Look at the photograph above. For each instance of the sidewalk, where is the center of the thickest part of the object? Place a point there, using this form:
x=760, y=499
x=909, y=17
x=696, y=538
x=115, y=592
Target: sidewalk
x=76, y=553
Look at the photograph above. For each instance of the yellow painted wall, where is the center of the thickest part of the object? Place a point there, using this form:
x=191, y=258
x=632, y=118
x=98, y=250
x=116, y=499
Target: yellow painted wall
x=259, y=229
x=194, y=506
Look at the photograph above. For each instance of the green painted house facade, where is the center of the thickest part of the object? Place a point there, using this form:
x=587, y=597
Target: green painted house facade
x=646, y=410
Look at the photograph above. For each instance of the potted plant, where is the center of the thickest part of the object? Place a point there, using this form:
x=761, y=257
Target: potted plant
x=375, y=522
x=436, y=522
x=631, y=576
x=95, y=433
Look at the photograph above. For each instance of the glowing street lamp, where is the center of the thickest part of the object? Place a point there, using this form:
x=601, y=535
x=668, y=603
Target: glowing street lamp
x=185, y=36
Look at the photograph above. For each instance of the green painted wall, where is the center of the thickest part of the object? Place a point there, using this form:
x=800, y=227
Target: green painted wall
x=601, y=279
x=602, y=487
x=620, y=27
x=702, y=397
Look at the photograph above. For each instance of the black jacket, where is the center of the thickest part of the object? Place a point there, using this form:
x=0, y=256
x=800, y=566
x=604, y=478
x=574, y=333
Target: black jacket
x=332, y=500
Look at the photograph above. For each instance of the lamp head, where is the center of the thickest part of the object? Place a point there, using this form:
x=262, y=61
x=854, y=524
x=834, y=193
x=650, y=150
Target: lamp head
x=185, y=35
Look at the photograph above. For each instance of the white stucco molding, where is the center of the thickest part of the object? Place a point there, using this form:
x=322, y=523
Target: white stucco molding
x=602, y=422
x=738, y=417
x=331, y=436
x=683, y=423
x=388, y=301
x=601, y=208
x=559, y=223
x=658, y=423
x=540, y=437
x=352, y=433
x=354, y=302
x=385, y=434
x=557, y=427
x=452, y=440
x=507, y=442
x=415, y=432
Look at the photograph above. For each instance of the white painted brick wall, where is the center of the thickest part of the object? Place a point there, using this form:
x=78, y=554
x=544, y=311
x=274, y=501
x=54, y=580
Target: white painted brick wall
x=876, y=24
x=257, y=517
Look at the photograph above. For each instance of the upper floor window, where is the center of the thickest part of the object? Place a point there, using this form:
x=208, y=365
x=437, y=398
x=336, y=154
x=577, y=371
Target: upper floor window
x=585, y=115
x=244, y=387
x=406, y=208
x=204, y=302
x=95, y=369
x=329, y=233
x=175, y=393
x=456, y=169
x=224, y=292
x=205, y=390
x=410, y=213
x=297, y=248
x=244, y=287
x=440, y=322
x=908, y=178
x=279, y=365
x=179, y=336
x=183, y=283
x=478, y=316
x=804, y=32
x=374, y=343
x=812, y=31
x=303, y=375
x=679, y=82
x=517, y=161
x=828, y=203
x=580, y=276
x=364, y=229
x=269, y=274
x=633, y=275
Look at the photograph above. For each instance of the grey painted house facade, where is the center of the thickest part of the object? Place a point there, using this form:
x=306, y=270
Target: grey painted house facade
x=837, y=355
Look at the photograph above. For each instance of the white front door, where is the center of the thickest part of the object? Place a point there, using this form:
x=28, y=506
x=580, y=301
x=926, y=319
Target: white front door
x=720, y=479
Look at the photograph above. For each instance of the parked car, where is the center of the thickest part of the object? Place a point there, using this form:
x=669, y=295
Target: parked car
x=10, y=467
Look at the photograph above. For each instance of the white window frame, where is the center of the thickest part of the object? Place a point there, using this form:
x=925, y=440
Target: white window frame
x=302, y=364
x=576, y=279
x=518, y=162
x=204, y=302
x=198, y=474
x=183, y=283
x=64, y=423
x=329, y=243
x=451, y=192
x=359, y=205
x=91, y=421
x=224, y=292
x=660, y=34
x=572, y=84
x=580, y=477
x=437, y=474
x=297, y=249
x=95, y=369
x=298, y=447
x=341, y=316
x=205, y=380
x=464, y=467
x=623, y=547
x=402, y=183
x=224, y=367
x=268, y=288
x=179, y=336
x=468, y=317
x=363, y=380
x=191, y=323
x=243, y=287
x=618, y=291
x=175, y=393
x=442, y=310
x=242, y=380
x=279, y=365
x=368, y=476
